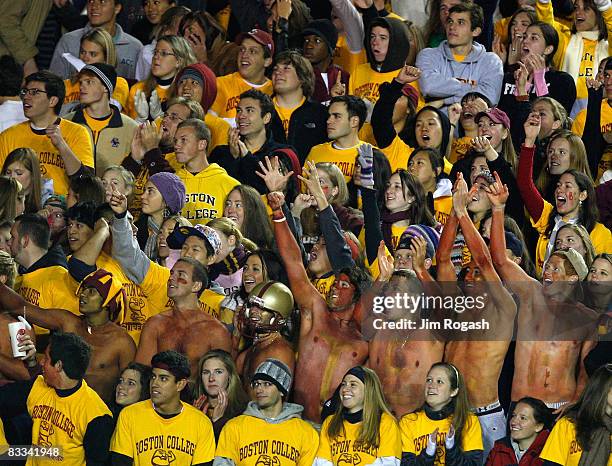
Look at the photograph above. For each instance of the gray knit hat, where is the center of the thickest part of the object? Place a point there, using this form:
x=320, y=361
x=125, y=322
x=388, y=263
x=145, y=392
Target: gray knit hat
x=276, y=372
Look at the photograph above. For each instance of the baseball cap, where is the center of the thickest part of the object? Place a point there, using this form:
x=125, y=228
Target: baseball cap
x=496, y=115
x=261, y=37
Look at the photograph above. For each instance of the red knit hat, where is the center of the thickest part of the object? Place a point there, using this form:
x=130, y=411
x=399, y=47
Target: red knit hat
x=209, y=80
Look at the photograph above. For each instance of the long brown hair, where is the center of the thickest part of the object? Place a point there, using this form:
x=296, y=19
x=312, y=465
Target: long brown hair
x=374, y=405
x=10, y=189
x=237, y=398
x=461, y=413
x=29, y=159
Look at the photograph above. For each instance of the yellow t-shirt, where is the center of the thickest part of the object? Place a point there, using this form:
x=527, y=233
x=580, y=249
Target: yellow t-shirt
x=600, y=236
x=154, y=286
x=365, y=82
x=416, y=427
x=562, y=447
x=51, y=162
x=96, y=124
x=343, y=158
x=49, y=288
x=150, y=439
x=285, y=113
x=130, y=110
x=346, y=449
x=229, y=88
x=120, y=94
x=443, y=206
x=205, y=191
x=138, y=308
x=398, y=153
x=219, y=131
x=62, y=421
x=250, y=441
x=346, y=59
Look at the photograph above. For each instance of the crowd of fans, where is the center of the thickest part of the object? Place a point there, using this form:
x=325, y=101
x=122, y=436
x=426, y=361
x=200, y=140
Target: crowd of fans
x=214, y=217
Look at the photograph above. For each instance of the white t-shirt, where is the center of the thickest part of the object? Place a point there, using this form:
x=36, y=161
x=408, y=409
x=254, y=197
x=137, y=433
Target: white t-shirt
x=11, y=113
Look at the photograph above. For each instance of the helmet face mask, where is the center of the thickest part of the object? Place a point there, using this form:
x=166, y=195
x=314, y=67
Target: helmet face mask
x=270, y=297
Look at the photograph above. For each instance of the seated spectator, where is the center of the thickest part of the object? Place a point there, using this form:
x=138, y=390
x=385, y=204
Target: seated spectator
x=244, y=206
x=218, y=391
x=171, y=54
x=460, y=65
x=11, y=108
x=254, y=56
x=144, y=28
x=86, y=189
x=132, y=387
x=22, y=164
x=111, y=131
x=97, y=46
x=64, y=148
x=102, y=15
x=167, y=418
x=117, y=178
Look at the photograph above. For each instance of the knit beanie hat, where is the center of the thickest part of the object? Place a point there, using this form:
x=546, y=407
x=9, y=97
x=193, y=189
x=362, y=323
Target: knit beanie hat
x=432, y=237
x=106, y=73
x=171, y=188
x=324, y=29
x=276, y=372
x=206, y=77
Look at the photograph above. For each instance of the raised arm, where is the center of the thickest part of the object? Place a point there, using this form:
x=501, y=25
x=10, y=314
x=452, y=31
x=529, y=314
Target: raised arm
x=445, y=268
x=52, y=319
x=531, y=196
x=304, y=292
x=509, y=270
x=353, y=25
x=132, y=259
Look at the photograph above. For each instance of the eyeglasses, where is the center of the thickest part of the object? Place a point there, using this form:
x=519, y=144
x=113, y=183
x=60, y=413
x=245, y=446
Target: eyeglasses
x=261, y=383
x=173, y=117
x=33, y=92
x=162, y=53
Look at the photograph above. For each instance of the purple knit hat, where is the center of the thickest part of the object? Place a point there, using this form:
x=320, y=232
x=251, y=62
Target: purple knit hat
x=172, y=189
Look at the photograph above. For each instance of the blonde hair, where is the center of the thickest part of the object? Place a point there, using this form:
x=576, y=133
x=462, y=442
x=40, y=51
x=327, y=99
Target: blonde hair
x=182, y=52
x=374, y=405
x=337, y=179
x=229, y=228
x=102, y=38
x=8, y=268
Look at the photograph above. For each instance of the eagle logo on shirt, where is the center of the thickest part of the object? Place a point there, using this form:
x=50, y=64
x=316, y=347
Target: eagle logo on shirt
x=347, y=458
x=115, y=142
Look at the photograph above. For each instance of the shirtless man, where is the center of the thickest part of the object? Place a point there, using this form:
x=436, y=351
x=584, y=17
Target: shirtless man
x=497, y=308
x=101, y=299
x=329, y=342
x=10, y=368
x=555, y=332
x=185, y=328
x=269, y=306
x=401, y=358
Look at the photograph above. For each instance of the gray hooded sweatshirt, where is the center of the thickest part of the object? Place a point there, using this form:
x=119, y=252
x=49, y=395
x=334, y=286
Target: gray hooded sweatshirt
x=289, y=411
x=442, y=77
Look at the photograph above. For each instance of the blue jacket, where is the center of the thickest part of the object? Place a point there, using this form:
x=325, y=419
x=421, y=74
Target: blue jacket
x=445, y=78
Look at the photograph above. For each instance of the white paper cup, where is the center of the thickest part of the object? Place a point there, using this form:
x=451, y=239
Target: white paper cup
x=16, y=329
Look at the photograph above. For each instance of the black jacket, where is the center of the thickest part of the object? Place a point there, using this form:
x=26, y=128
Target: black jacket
x=307, y=128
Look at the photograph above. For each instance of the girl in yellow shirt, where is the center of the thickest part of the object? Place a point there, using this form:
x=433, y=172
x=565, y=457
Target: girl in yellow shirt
x=361, y=430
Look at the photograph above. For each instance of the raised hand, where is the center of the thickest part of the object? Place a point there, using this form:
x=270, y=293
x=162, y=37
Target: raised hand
x=283, y=8
x=149, y=136
x=521, y=77
x=418, y=247
x=141, y=106
x=593, y=83
x=137, y=149
x=338, y=88
x=272, y=175
x=449, y=441
x=155, y=106
x=311, y=180
x=532, y=129
x=497, y=193
x=460, y=195
x=365, y=163
x=198, y=45
x=480, y=144
x=54, y=133
x=454, y=113
x=276, y=200
x=237, y=147
x=515, y=49
x=499, y=49
x=118, y=202
x=385, y=263
x=219, y=410
x=408, y=74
